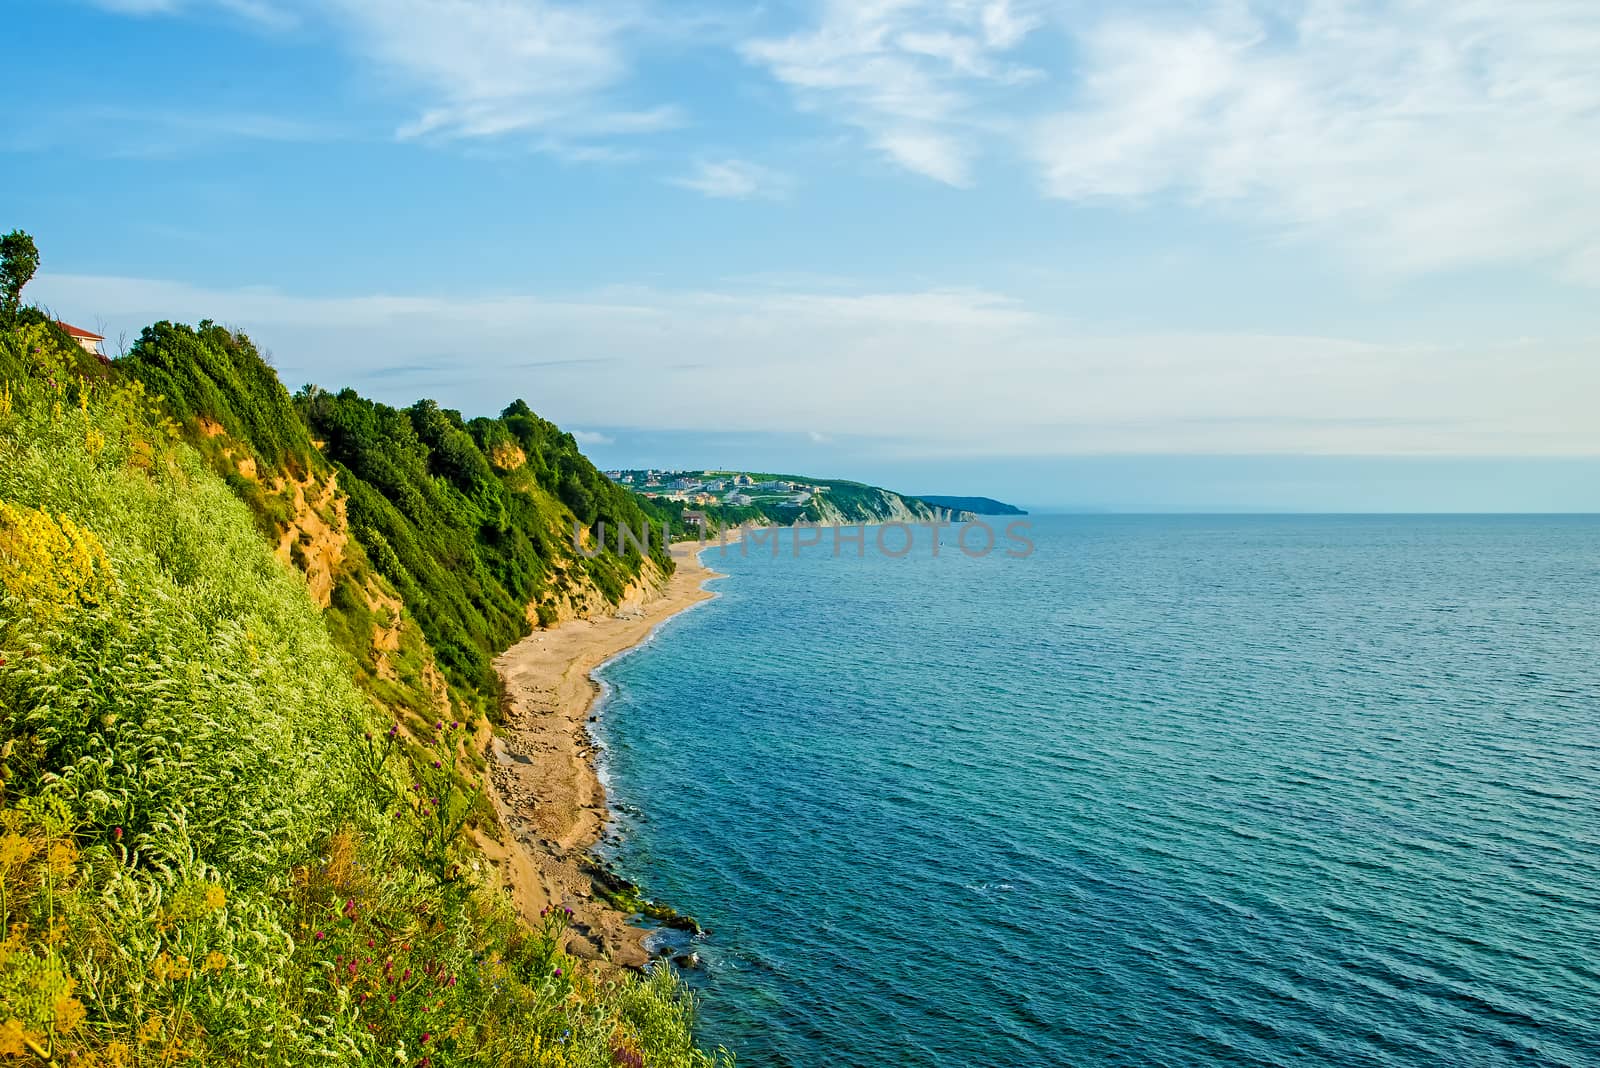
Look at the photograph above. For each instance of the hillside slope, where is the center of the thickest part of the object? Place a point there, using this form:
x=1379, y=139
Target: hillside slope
x=225, y=836
x=469, y=525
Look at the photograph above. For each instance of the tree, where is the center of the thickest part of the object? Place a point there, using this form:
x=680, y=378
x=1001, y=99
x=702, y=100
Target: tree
x=19, y=258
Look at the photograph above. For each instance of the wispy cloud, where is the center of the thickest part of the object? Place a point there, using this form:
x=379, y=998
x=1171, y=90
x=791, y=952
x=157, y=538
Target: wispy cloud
x=266, y=13
x=910, y=74
x=133, y=133
x=734, y=179
x=951, y=371
x=493, y=67
x=1415, y=136
x=590, y=438
x=555, y=71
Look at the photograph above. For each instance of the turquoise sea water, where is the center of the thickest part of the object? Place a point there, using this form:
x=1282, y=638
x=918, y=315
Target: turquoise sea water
x=1170, y=791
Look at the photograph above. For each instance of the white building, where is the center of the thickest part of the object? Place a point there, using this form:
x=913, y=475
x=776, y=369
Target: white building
x=89, y=342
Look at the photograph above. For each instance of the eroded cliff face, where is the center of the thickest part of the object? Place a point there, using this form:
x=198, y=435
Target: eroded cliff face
x=575, y=596
x=318, y=533
x=508, y=457
x=882, y=506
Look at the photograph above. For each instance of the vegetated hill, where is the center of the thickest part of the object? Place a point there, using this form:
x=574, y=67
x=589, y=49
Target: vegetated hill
x=975, y=505
x=216, y=846
x=401, y=515
x=824, y=501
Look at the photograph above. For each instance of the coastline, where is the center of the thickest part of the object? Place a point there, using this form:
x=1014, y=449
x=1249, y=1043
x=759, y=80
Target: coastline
x=542, y=778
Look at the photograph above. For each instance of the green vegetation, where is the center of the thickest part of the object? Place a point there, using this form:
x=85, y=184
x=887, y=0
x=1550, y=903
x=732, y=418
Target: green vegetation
x=466, y=523
x=214, y=375
x=468, y=545
x=215, y=846
x=795, y=498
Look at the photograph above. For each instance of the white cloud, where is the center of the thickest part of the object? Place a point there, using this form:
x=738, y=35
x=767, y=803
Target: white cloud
x=910, y=74
x=481, y=68
x=1414, y=135
x=494, y=67
x=948, y=371
x=262, y=12
x=734, y=179
x=592, y=437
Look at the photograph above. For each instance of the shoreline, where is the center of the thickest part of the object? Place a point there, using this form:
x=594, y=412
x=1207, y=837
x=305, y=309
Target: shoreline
x=542, y=776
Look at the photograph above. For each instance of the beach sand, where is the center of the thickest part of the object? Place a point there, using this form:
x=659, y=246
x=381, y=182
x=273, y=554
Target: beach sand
x=544, y=783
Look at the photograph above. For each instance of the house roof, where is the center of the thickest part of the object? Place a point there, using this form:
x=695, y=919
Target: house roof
x=78, y=331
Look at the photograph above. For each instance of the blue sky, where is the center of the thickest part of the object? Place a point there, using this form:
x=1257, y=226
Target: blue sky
x=1297, y=254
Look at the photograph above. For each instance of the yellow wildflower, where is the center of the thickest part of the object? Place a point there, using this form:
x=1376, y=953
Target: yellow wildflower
x=51, y=563
x=15, y=850
x=215, y=963
x=69, y=1012
x=166, y=967
x=63, y=856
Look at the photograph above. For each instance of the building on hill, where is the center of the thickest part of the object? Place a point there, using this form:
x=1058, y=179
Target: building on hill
x=88, y=341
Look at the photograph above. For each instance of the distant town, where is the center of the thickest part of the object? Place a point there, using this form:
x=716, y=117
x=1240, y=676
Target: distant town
x=732, y=489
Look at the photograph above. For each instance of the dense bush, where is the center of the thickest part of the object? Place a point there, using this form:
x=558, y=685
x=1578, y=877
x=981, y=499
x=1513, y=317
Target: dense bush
x=200, y=857
x=471, y=522
x=217, y=374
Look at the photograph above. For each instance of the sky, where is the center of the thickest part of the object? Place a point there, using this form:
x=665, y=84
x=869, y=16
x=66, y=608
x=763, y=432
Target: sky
x=1182, y=255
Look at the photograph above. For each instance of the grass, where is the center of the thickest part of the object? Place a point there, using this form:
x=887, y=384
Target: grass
x=201, y=857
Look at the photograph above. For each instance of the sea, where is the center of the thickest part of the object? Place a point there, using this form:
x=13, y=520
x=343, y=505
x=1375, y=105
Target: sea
x=1155, y=790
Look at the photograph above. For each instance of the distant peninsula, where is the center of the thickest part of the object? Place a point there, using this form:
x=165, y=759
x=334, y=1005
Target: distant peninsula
x=975, y=505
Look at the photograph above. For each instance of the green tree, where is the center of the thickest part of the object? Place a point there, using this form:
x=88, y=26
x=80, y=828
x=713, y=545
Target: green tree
x=19, y=258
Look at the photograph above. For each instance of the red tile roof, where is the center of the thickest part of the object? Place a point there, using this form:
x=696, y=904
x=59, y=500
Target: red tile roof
x=79, y=331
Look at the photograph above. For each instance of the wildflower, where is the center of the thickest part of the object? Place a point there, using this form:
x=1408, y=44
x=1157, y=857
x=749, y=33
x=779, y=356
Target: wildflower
x=215, y=898
x=391, y=999
x=438, y=764
x=320, y=935
x=558, y=973
x=369, y=943
x=426, y=1035
x=214, y=963
x=455, y=724
x=116, y=832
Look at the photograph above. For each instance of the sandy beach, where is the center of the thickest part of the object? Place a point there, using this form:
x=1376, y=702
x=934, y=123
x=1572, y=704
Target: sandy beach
x=544, y=783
